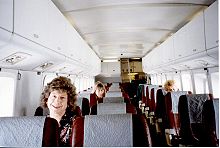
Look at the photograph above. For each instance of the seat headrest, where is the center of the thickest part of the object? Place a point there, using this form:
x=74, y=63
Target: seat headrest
x=111, y=108
x=108, y=130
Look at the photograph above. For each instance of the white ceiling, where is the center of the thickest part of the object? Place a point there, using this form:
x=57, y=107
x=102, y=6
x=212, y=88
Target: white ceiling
x=128, y=28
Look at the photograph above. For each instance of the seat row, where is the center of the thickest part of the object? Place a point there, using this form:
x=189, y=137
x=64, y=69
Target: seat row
x=113, y=122
x=180, y=117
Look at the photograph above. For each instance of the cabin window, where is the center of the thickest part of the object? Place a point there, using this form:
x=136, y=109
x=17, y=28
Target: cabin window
x=48, y=79
x=163, y=79
x=176, y=78
x=7, y=96
x=91, y=82
x=215, y=84
x=157, y=77
x=201, y=83
x=83, y=84
x=77, y=84
x=160, y=79
x=153, y=79
x=187, y=82
x=81, y=81
x=169, y=77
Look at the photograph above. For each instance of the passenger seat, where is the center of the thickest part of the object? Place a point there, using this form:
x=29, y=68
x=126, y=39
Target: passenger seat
x=112, y=130
x=32, y=131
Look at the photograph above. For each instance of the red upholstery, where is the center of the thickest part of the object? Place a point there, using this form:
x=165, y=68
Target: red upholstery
x=152, y=104
x=147, y=97
x=130, y=108
x=93, y=100
x=126, y=97
x=50, y=133
x=171, y=117
x=160, y=104
x=144, y=99
x=141, y=134
x=78, y=111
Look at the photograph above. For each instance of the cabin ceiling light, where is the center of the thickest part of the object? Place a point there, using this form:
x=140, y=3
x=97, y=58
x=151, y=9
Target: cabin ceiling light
x=110, y=60
x=132, y=74
x=109, y=57
x=135, y=58
x=15, y=58
x=44, y=66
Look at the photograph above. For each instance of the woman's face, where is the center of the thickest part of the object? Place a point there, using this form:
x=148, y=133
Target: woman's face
x=100, y=93
x=57, y=102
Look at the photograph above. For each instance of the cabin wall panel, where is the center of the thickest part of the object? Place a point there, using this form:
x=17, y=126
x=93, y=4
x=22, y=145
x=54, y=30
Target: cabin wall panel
x=180, y=40
x=31, y=20
x=214, y=53
x=168, y=50
x=137, y=66
x=108, y=79
x=5, y=37
x=41, y=22
x=189, y=46
x=56, y=28
x=111, y=68
x=12, y=74
x=211, y=25
x=29, y=89
x=6, y=15
x=196, y=35
x=190, y=39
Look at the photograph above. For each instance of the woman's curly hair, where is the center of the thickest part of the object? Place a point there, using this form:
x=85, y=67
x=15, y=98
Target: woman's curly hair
x=62, y=84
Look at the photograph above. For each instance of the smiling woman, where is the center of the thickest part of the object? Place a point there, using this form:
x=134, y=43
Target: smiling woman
x=60, y=96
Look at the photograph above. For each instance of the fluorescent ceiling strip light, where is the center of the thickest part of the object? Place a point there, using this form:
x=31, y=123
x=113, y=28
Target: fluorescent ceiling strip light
x=112, y=60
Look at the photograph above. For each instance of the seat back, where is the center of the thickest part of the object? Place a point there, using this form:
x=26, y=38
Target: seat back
x=111, y=130
x=114, y=94
x=216, y=108
x=40, y=111
x=160, y=103
x=33, y=131
x=93, y=100
x=113, y=100
x=197, y=120
x=83, y=103
x=143, y=92
x=113, y=108
x=151, y=98
x=171, y=105
x=108, y=130
x=148, y=92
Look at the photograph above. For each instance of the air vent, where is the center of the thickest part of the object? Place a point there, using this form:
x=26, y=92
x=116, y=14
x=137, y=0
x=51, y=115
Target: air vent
x=15, y=58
